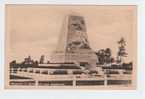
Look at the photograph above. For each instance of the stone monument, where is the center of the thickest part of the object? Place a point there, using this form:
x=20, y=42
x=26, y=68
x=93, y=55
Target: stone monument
x=73, y=45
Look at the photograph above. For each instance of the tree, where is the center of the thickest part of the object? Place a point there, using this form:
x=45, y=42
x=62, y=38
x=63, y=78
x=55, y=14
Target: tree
x=104, y=56
x=101, y=56
x=121, y=50
x=27, y=60
x=13, y=64
x=42, y=59
x=36, y=63
x=108, y=55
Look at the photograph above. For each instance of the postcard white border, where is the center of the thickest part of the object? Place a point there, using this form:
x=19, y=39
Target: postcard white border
x=79, y=94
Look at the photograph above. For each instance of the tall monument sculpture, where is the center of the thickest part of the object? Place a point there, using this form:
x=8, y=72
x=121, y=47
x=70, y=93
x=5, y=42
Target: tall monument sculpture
x=73, y=45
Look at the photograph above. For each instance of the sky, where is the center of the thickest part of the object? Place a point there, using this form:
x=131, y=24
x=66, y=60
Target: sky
x=35, y=29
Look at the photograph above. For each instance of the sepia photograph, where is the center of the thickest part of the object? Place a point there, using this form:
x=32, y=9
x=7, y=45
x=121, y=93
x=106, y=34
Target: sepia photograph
x=70, y=46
